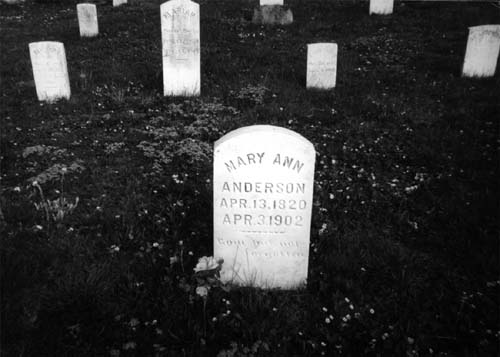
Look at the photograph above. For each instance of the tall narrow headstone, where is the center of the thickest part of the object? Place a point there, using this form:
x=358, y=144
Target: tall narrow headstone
x=263, y=190
x=180, y=35
x=87, y=20
x=119, y=2
x=50, y=70
x=481, y=55
x=271, y=2
x=321, y=65
x=381, y=7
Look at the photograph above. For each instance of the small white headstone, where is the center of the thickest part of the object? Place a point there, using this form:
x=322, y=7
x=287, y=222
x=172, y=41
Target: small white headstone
x=482, y=50
x=180, y=35
x=50, y=70
x=321, y=65
x=271, y=2
x=263, y=190
x=119, y=2
x=87, y=20
x=381, y=7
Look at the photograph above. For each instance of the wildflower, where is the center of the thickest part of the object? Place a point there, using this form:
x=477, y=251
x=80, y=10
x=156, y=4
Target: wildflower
x=372, y=311
x=351, y=307
x=214, y=319
x=129, y=345
x=202, y=291
x=327, y=320
x=347, y=300
x=155, y=245
x=173, y=260
x=38, y=227
x=325, y=309
x=410, y=340
x=17, y=189
x=206, y=263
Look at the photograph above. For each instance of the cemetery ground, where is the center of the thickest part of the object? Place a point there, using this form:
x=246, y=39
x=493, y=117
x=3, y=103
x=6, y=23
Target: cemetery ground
x=106, y=198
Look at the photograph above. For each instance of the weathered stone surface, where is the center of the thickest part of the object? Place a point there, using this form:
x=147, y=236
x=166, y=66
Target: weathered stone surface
x=180, y=32
x=50, y=70
x=87, y=20
x=272, y=15
x=321, y=65
x=263, y=190
x=482, y=50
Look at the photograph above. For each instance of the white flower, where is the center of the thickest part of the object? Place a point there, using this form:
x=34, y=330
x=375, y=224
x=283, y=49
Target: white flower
x=206, y=263
x=372, y=311
x=202, y=291
x=327, y=320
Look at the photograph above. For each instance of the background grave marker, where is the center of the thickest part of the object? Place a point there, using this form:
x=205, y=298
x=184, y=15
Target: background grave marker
x=50, y=70
x=119, y=2
x=321, y=65
x=381, y=7
x=481, y=54
x=180, y=32
x=271, y=2
x=87, y=20
x=263, y=190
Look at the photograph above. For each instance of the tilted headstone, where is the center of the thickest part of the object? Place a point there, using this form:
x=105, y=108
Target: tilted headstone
x=271, y=2
x=180, y=34
x=50, y=70
x=119, y=2
x=272, y=15
x=481, y=55
x=87, y=20
x=381, y=7
x=321, y=65
x=263, y=190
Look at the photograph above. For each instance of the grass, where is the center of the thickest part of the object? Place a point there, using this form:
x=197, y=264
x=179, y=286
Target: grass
x=404, y=243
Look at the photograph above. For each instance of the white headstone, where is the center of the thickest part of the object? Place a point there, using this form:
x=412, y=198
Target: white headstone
x=263, y=190
x=119, y=2
x=87, y=20
x=180, y=35
x=50, y=70
x=271, y=2
x=381, y=7
x=321, y=65
x=482, y=50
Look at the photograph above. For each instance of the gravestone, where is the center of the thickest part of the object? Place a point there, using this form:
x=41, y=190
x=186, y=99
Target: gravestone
x=50, y=70
x=272, y=15
x=321, y=65
x=381, y=7
x=119, y=2
x=180, y=34
x=271, y=2
x=263, y=190
x=87, y=20
x=481, y=55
